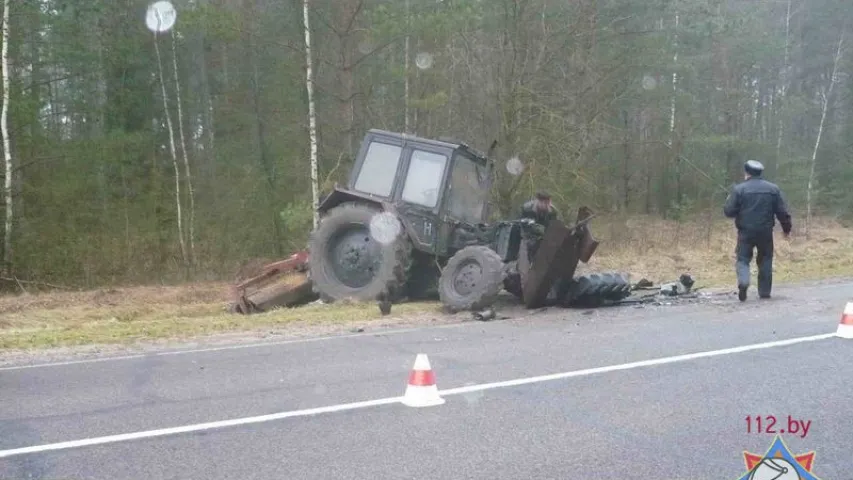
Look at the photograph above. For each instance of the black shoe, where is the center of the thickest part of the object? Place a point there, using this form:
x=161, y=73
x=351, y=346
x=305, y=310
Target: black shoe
x=764, y=296
x=741, y=293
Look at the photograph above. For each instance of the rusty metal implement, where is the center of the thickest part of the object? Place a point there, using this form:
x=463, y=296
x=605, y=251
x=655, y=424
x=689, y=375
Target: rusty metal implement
x=280, y=284
x=557, y=257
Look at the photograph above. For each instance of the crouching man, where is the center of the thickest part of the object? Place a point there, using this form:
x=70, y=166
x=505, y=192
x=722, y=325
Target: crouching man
x=539, y=209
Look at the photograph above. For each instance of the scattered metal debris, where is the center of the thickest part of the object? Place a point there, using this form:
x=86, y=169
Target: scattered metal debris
x=682, y=286
x=680, y=291
x=484, y=315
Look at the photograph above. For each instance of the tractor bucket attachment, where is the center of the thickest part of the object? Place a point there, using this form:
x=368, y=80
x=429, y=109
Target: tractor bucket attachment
x=557, y=257
x=281, y=284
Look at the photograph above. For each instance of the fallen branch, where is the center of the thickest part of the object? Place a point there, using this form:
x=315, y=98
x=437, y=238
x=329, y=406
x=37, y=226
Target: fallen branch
x=21, y=286
x=33, y=282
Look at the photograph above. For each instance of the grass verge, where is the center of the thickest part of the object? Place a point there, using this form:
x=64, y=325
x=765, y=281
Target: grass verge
x=644, y=247
x=126, y=316
x=661, y=250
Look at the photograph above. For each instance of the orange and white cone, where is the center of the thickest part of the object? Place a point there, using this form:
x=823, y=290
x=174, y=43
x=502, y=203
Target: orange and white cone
x=845, y=328
x=422, y=390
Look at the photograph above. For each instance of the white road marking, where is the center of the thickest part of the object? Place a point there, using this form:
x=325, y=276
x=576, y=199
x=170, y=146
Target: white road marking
x=230, y=347
x=628, y=366
x=196, y=428
x=392, y=400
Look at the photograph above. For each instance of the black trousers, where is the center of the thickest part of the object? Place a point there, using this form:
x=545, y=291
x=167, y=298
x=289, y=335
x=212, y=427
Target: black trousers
x=762, y=242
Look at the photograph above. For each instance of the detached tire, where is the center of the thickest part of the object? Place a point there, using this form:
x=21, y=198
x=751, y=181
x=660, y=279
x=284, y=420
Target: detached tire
x=472, y=279
x=596, y=289
x=347, y=262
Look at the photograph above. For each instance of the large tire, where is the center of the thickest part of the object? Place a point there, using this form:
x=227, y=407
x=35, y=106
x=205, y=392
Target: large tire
x=596, y=289
x=347, y=262
x=472, y=279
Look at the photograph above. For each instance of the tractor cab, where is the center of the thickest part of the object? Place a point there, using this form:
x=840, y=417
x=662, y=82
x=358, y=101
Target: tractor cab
x=432, y=185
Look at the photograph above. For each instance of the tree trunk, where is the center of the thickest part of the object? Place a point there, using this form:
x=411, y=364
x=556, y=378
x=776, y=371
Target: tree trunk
x=626, y=163
x=784, y=87
x=406, y=54
x=7, y=152
x=312, y=118
x=825, y=96
x=671, y=141
x=184, y=150
x=207, y=95
x=172, y=151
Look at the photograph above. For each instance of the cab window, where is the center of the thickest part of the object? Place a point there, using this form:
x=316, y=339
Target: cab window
x=378, y=169
x=423, y=180
x=468, y=190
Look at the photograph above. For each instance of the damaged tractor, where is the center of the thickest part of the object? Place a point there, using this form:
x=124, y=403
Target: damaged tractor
x=413, y=218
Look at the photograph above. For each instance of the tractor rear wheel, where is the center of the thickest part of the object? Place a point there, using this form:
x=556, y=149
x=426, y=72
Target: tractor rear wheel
x=596, y=289
x=348, y=262
x=472, y=279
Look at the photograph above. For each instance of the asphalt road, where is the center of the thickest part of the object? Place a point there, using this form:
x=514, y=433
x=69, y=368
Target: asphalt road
x=683, y=420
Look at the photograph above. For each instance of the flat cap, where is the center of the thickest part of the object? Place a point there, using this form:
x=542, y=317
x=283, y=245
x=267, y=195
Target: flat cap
x=753, y=167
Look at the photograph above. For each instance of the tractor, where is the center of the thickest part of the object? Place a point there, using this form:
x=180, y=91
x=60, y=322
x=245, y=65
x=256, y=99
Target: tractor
x=413, y=217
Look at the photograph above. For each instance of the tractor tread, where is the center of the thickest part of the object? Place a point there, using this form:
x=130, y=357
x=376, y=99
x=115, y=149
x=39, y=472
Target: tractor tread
x=596, y=289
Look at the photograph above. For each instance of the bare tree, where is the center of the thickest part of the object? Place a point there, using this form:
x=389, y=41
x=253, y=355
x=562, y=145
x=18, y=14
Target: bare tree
x=824, y=98
x=674, y=81
x=671, y=140
x=7, y=152
x=312, y=117
x=184, y=149
x=172, y=151
x=406, y=54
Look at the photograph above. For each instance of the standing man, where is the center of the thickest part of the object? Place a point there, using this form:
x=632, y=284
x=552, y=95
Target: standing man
x=539, y=209
x=753, y=204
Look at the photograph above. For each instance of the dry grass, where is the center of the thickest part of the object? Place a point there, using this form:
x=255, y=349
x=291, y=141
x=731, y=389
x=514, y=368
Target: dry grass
x=653, y=249
x=127, y=315
x=660, y=251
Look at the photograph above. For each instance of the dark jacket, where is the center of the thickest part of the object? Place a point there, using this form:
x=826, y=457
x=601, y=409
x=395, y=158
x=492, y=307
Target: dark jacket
x=528, y=210
x=754, y=203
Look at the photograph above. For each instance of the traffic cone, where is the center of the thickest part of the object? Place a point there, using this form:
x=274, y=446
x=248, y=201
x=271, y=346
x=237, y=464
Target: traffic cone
x=422, y=390
x=845, y=328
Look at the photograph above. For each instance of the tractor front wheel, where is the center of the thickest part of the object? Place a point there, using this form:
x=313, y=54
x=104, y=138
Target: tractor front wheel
x=472, y=279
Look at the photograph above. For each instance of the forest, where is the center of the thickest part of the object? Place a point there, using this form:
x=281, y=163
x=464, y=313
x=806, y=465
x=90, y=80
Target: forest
x=135, y=157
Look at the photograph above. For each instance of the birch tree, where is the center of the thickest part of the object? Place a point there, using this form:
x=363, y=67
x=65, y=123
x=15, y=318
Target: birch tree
x=7, y=152
x=159, y=26
x=406, y=54
x=187, y=173
x=825, y=95
x=671, y=140
x=312, y=117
